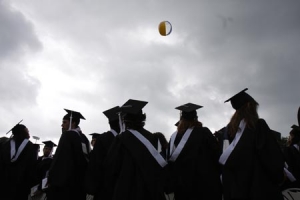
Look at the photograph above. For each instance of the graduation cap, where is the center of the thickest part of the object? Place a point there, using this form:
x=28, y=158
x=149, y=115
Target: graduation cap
x=188, y=111
x=94, y=135
x=240, y=99
x=132, y=111
x=73, y=116
x=49, y=144
x=14, y=127
x=133, y=107
x=112, y=114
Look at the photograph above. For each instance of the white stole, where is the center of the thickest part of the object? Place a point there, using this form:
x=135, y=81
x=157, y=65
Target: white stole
x=288, y=174
x=223, y=158
x=296, y=146
x=114, y=132
x=175, y=151
x=13, y=154
x=160, y=160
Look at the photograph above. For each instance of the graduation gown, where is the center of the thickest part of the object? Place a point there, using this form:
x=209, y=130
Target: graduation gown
x=95, y=172
x=254, y=169
x=195, y=174
x=16, y=178
x=67, y=171
x=292, y=156
x=131, y=172
x=42, y=168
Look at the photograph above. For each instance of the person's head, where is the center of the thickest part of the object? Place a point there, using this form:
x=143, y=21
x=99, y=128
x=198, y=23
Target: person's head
x=134, y=121
x=71, y=120
x=294, y=137
x=48, y=148
x=188, y=117
x=132, y=114
x=246, y=108
x=113, y=118
x=94, y=138
x=20, y=131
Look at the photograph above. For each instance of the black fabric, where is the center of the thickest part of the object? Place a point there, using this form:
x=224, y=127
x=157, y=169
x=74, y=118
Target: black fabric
x=67, y=171
x=131, y=172
x=95, y=173
x=292, y=156
x=133, y=106
x=195, y=174
x=16, y=178
x=254, y=169
x=240, y=99
x=42, y=167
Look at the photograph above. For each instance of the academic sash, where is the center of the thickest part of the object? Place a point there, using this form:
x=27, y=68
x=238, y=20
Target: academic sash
x=175, y=151
x=13, y=154
x=223, y=158
x=160, y=160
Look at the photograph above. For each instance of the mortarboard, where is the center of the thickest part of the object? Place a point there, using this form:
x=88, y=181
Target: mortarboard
x=49, y=144
x=74, y=114
x=188, y=111
x=94, y=135
x=240, y=99
x=112, y=114
x=133, y=106
x=13, y=127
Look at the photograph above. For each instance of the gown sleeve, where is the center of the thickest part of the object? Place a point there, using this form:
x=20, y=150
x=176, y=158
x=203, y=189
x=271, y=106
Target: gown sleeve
x=62, y=164
x=269, y=153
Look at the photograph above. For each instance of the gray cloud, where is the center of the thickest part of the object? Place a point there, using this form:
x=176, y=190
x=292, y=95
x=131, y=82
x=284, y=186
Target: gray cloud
x=18, y=88
x=109, y=51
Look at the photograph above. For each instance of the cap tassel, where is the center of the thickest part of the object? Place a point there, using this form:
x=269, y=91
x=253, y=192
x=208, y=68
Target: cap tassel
x=70, y=125
x=121, y=125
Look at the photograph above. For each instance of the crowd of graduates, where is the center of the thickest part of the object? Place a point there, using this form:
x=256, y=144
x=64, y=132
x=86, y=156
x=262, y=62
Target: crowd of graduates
x=242, y=161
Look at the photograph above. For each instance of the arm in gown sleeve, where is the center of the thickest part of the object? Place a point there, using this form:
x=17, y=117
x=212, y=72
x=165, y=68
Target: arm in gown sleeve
x=62, y=164
x=112, y=166
x=269, y=153
x=95, y=171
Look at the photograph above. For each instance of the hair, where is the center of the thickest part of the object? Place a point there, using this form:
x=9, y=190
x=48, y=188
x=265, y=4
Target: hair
x=295, y=136
x=248, y=112
x=162, y=139
x=135, y=121
x=19, y=132
x=76, y=120
x=184, y=124
x=114, y=125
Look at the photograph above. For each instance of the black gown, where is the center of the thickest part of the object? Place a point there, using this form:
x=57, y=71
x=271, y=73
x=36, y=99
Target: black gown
x=95, y=172
x=254, y=169
x=16, y=178
x=292, y=156
x=67, y=171
x=195, y=174
x=131, y=172
x=43, y=166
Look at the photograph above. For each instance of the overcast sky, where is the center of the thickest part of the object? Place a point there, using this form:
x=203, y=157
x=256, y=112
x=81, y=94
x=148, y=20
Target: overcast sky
x=91, y=55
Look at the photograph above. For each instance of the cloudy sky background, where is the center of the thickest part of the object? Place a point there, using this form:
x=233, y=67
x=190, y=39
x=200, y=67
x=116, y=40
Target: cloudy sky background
x=92, y=55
